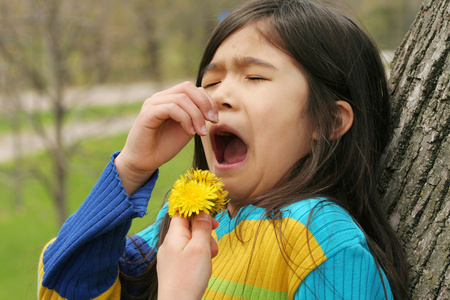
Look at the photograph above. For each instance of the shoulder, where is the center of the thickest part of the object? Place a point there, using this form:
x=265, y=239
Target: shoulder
x=348, y=270
x=330, y=225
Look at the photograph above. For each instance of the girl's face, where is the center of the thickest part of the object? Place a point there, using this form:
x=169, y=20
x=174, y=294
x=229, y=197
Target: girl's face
x=263, y=129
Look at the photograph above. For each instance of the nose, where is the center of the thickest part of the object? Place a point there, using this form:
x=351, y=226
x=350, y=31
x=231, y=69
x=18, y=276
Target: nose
x=224, y=95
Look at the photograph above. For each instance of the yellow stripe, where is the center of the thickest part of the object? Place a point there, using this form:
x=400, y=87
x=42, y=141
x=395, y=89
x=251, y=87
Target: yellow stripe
x=113, y=292
x=43, y=292
x=47, y=294
x=260, y=263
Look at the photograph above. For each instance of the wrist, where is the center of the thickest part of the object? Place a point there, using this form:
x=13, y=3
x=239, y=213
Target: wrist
x=132, y=178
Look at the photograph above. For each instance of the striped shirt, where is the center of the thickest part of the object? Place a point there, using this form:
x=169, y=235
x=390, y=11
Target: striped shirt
x=321, y=252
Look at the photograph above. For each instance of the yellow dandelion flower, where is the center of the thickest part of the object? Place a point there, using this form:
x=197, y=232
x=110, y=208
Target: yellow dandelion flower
x=197, y=190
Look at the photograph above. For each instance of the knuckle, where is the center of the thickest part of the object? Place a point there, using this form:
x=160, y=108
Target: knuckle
x=198, y=248
x=172, y=105
x=147, y=102
x=188, y=84
x=180, y=98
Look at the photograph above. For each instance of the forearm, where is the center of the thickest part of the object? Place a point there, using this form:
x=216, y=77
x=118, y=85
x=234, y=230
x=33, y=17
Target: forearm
x=82, y=262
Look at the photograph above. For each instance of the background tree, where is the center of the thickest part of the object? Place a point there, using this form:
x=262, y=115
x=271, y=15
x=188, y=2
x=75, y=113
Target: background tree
x=415, y=182
x=39, y=42
x=12, y=105
x=50, y=46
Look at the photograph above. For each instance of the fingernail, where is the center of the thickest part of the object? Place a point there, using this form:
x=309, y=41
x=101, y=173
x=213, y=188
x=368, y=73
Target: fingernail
x=202, y=216
x=212, y=116
x=204, y=130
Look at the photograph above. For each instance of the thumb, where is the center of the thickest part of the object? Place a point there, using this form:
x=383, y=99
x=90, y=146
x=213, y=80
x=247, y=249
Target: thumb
x=202, y=227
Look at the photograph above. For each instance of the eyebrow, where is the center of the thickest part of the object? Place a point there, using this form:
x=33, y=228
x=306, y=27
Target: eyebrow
x=241, y=61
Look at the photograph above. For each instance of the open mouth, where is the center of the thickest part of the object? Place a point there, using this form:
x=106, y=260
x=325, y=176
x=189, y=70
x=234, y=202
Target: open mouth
x=229, y=148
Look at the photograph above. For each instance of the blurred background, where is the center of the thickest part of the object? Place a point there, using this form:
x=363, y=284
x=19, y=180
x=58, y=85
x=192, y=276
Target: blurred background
x=73, y=75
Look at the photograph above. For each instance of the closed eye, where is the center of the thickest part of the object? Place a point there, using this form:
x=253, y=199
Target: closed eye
x=211, y=85
x=256, y=78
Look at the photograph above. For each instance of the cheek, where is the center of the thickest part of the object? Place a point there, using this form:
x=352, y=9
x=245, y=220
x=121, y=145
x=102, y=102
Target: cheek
x=290, y=142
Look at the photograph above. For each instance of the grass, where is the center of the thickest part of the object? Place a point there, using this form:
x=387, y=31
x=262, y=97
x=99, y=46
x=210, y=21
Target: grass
x=24, y=231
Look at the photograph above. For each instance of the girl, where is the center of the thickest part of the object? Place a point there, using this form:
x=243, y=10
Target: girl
x=291, y=110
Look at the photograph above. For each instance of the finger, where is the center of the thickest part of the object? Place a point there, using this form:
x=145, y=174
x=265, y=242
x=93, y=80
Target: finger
x=197, y=118
x=185, y=103
x=201, y=227
x=213, y=242
x=214, y=247
x=160, y=113
x=215, y=224
x=199, y=96
x=212, y=114
x=179, y=233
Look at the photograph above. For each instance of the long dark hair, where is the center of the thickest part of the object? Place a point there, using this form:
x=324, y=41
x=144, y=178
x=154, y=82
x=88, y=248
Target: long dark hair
x=341, y=62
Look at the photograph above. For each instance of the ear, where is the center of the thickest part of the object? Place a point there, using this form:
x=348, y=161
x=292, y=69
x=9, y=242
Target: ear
x=344, y=119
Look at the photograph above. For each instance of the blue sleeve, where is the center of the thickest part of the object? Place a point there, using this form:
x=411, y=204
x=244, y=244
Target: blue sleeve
x=350, y=273
x=141, y=249
x=82, y=262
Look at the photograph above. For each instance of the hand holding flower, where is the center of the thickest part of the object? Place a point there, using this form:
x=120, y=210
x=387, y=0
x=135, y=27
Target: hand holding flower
x=184, y=258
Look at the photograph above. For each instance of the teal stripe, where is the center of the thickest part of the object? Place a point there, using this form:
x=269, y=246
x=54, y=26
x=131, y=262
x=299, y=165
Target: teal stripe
x=298, y=211
x=243, y=291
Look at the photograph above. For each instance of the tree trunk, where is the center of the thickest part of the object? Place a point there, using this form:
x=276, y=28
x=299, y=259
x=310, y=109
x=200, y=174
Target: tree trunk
x=58, y=78
x=415, y=182
x=13, y=112
x=16, y=129
x=147, y=17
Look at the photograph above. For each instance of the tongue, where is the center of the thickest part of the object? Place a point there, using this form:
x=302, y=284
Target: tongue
x=235, y=151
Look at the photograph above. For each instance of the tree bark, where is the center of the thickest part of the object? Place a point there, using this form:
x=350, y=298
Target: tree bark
x=414, y=183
